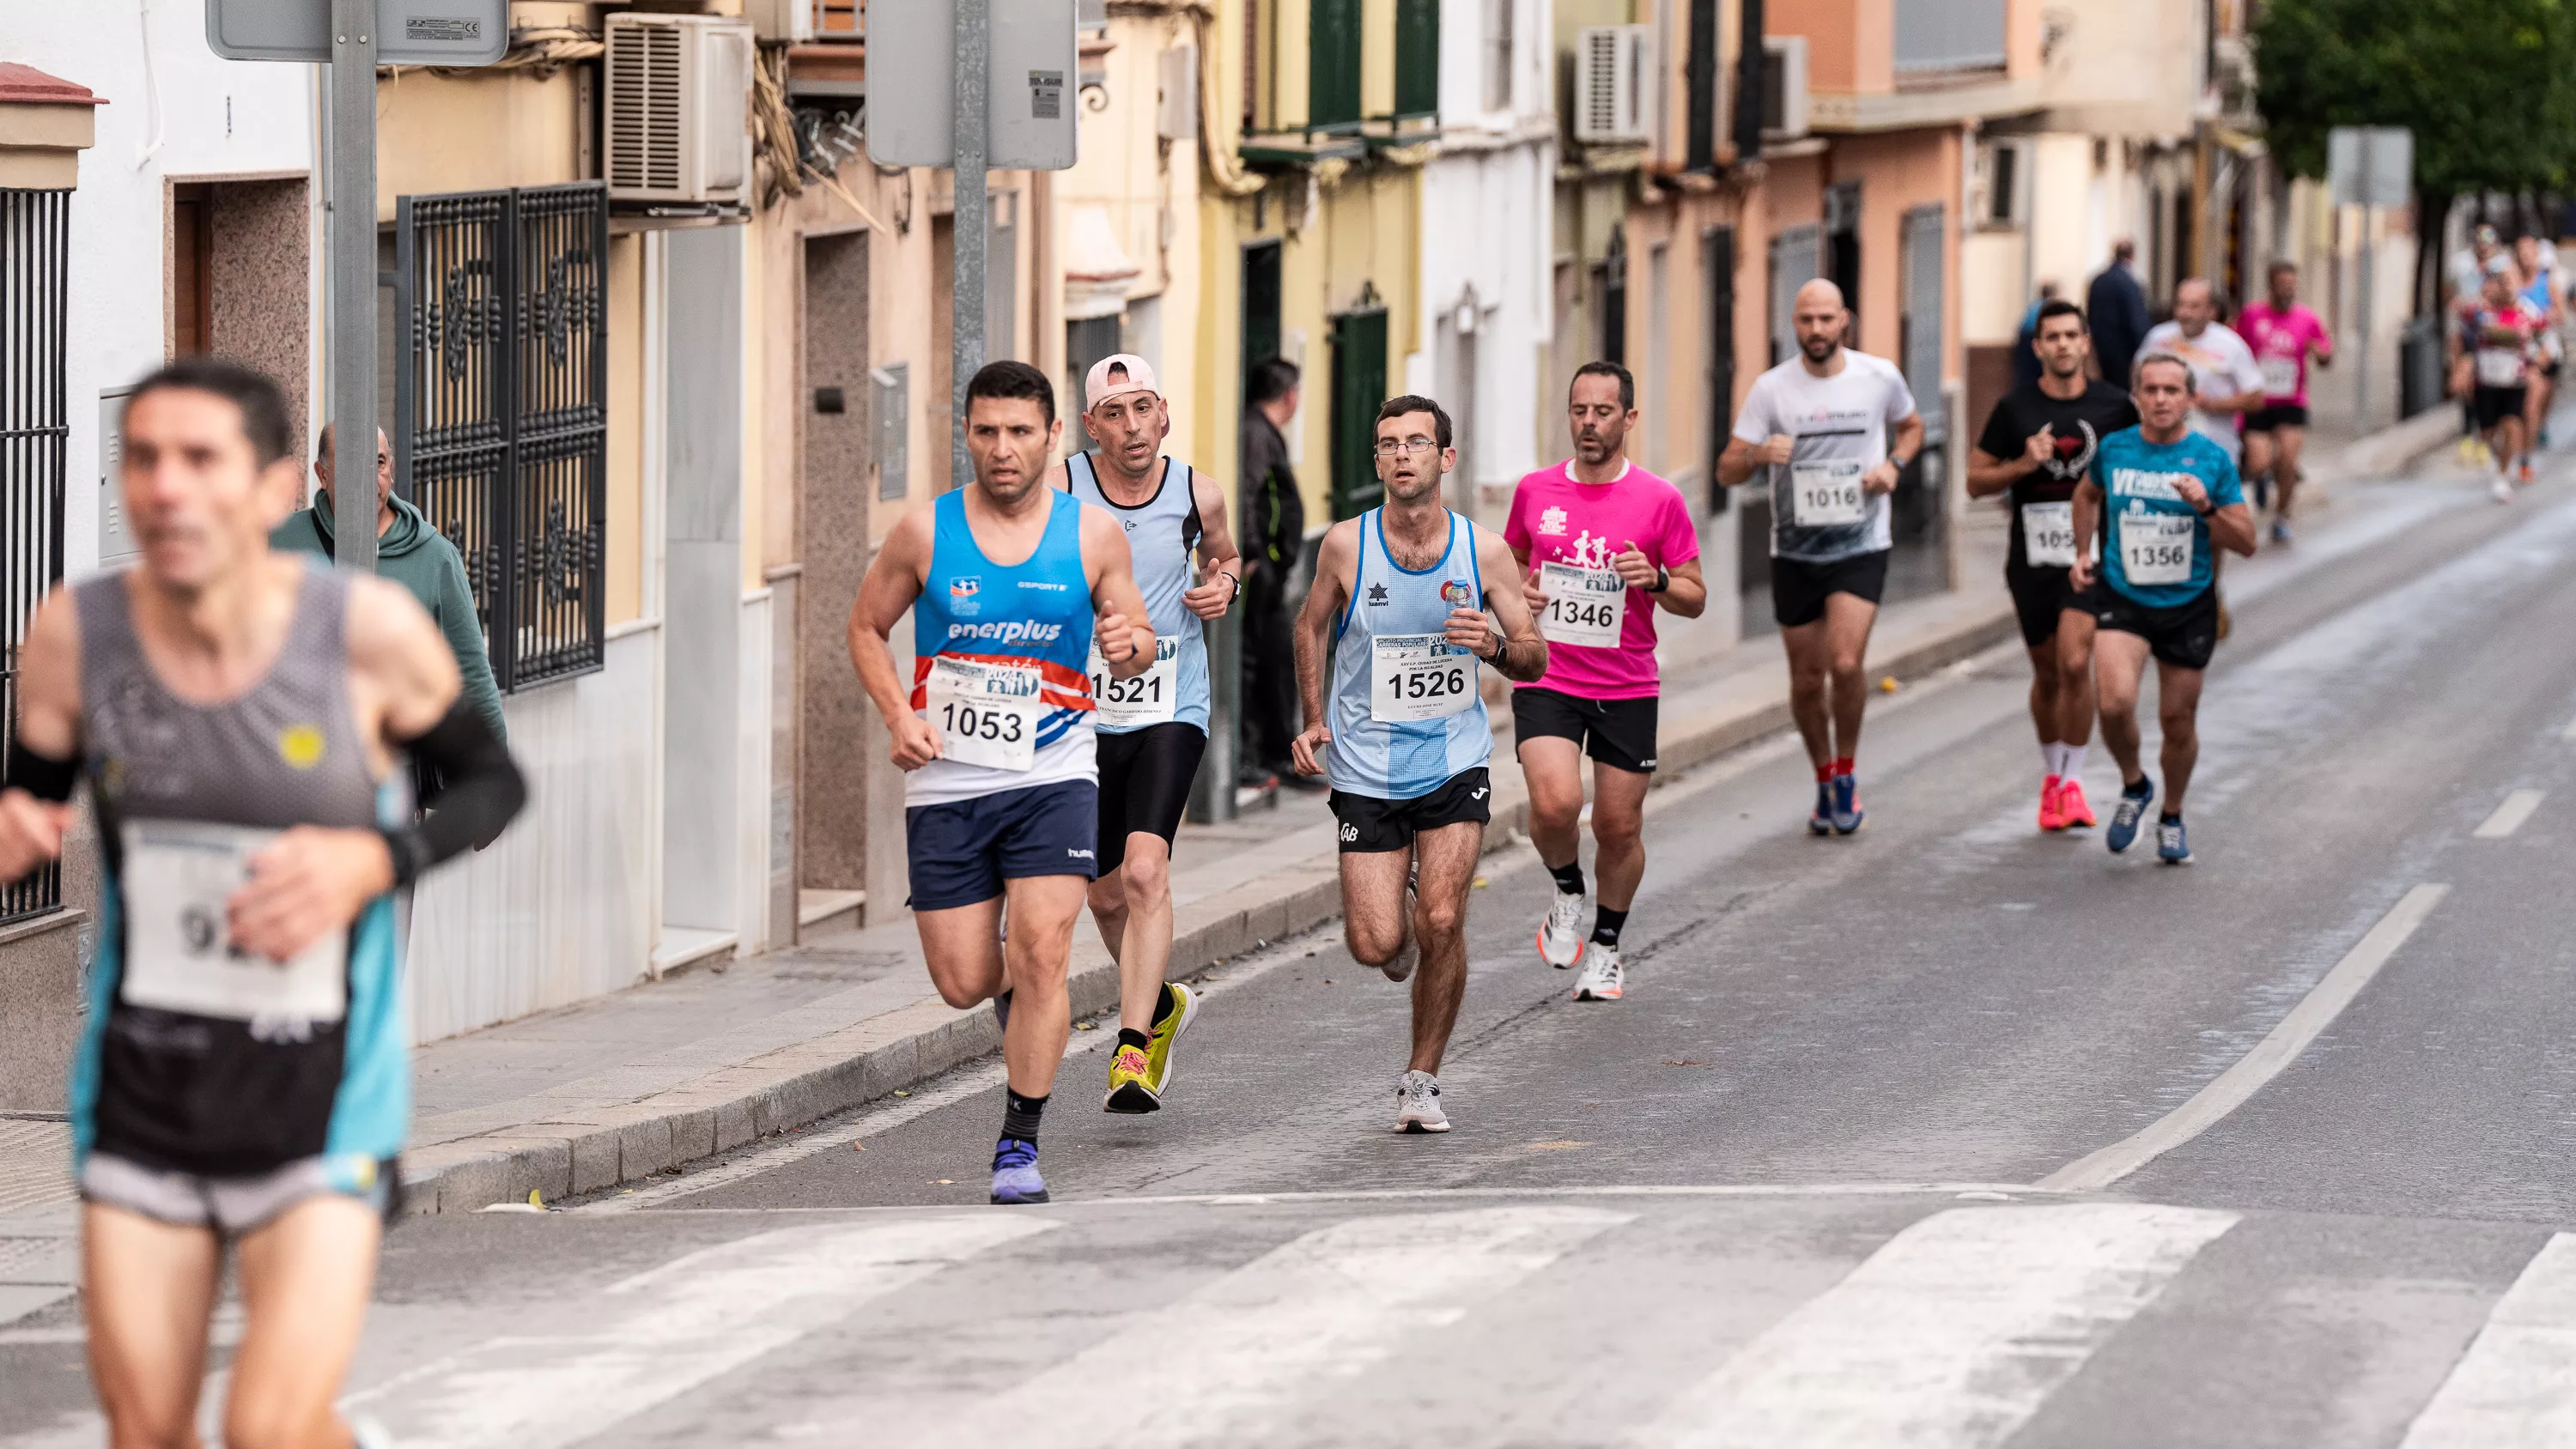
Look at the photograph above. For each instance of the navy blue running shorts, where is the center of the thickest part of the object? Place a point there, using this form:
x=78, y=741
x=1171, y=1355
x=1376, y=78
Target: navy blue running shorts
x=962, y=851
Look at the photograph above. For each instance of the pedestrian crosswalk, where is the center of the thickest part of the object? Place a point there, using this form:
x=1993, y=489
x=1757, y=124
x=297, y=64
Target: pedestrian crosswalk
x=1645, y=1322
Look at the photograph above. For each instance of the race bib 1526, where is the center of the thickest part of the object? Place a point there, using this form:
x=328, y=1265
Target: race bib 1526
x=1417, y=677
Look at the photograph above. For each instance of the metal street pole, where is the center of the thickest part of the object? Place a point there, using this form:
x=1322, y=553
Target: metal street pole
x=967, y=229
x=350, y=240
x=2361, y=354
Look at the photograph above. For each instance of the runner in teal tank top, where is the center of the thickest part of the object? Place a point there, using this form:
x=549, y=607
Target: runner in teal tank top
x=1152, y=729
x=1011, y=587
x=1410, y=601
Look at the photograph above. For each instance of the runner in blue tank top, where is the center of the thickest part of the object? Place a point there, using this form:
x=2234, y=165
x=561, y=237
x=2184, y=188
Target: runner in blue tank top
x=1154, y=727
x=994, y=728
x=2149, y=521
x=1387, y=655
x=242, y=1077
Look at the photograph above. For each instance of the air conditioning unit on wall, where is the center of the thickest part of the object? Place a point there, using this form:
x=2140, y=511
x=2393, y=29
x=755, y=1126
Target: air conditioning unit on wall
x=1784, y=87
x=678, y=107
x=1614, y=84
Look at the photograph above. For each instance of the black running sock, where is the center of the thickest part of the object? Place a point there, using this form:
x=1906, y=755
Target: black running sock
x=2169, y=817
x=2141, y=786
x=1569, y=877
x=1605, y=926
x=1129, y=1036
x=1166, y=1001
x=1020, y=1115
x=1002, y=1010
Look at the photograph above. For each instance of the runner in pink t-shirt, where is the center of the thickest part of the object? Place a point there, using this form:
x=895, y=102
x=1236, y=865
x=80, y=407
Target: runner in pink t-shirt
x=1605, y=543
x=2284, y=335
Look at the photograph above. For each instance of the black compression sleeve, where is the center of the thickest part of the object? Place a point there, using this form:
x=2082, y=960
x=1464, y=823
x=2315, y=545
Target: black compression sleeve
x=43, y=778
x=483, y=791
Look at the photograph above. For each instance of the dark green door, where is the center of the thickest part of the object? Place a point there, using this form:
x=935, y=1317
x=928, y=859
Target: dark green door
x=1260, y=304
x=1333, y=65
x=1359, y=385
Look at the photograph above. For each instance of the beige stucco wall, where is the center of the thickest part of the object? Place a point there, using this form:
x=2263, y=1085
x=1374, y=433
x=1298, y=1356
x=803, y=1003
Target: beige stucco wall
x=473, y=132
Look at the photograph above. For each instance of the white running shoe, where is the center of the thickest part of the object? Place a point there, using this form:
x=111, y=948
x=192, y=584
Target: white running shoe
x=1560, y=936
x=1604, y=978
x=1417, y=1104
x=2500, y=490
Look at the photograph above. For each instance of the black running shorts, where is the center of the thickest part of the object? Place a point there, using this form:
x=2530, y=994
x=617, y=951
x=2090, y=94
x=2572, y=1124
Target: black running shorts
x=1370, y=826
x=2277, y=415
x=1619, y=733
x=1798, y=588
x=2183, y=636
x=1145, y=780
x=2039, y=595
x=2495, y=404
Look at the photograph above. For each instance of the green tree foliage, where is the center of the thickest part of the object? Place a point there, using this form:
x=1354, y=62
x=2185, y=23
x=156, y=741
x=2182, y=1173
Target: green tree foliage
x=2487, y=86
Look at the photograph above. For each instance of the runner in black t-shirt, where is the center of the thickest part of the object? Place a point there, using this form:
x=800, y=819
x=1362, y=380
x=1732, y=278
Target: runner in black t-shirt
x=2038, y=443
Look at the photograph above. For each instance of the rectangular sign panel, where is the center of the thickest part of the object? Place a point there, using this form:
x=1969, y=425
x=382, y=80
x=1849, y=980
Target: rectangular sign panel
x=408, y=32
x=1033, y=94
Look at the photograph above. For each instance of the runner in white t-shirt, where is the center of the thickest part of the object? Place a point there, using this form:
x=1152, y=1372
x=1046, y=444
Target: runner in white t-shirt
x=2223, y=371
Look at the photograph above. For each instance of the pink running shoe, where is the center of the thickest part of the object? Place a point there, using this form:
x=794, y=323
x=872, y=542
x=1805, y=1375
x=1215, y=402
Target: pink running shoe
x=2072, y=812
x=2049, y=816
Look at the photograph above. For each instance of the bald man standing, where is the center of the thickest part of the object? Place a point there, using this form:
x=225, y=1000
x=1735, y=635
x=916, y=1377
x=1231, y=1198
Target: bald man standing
x=1830, y=430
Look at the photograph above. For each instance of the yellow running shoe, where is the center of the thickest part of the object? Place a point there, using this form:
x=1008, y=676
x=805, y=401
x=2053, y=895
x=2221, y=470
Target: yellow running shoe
x=1158, y=1053
x=1128, y=1093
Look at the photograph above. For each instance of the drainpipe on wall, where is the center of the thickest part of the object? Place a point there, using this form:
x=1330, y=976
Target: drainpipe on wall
x=1699, y=151
x=1749, y=69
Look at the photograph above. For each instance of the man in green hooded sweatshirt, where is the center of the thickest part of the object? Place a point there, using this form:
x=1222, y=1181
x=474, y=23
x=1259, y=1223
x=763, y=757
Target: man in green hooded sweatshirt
x=413, y=554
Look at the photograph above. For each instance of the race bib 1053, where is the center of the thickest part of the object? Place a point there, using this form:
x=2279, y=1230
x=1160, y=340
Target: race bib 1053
x=987, y=713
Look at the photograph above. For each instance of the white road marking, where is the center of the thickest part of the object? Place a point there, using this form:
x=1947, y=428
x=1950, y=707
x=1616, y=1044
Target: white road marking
x=1950, y=1335
x=2568, y=733
x=2281, y=1046
x=2516, y=1386
x=664, y=1332
x=1213, y=1366
x=2508, y=817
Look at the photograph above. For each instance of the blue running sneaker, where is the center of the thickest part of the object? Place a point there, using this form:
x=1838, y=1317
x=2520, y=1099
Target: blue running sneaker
x=1847, y=812
x=1015, y=1172
x=2171, y=848
x=2134, y=800
x=1822, y=821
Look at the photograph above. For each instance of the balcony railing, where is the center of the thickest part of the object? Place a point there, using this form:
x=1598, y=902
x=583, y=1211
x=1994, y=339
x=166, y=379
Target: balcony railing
x=1934, y=35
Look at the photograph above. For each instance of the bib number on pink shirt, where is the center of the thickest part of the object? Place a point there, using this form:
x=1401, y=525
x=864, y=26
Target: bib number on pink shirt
x=2280, y=377
x=1584, y=606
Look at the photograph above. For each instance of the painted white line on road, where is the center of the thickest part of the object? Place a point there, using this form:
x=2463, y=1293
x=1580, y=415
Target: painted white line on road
x=1952, y=1334
x=1212, y=1368
x=1982, y=1191
x=2281, y=1046
x=2508, y=817
x=662, y=1333
x=2516, y=1386
x=2568, y=733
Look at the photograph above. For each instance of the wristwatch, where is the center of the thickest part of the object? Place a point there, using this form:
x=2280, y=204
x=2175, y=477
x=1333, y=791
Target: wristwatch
x=1663, y=580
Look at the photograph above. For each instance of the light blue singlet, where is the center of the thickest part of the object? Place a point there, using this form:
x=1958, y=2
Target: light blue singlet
x=1402, y=760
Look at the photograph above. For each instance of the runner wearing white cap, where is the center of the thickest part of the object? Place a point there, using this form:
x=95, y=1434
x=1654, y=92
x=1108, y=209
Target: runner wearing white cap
x=1153, y=728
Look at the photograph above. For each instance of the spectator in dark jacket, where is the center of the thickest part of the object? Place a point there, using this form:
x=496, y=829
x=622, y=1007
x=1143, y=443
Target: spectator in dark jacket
x=2118, y=307
x=2025, y=356
x=1274, y=539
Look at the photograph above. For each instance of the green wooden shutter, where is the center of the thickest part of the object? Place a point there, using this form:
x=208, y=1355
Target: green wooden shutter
x=1417, y=58
x=1359, y=385
x=1333, y=60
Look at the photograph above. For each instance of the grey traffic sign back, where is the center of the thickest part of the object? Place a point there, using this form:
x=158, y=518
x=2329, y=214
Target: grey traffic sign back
x=2370, y=165
x=408, y=32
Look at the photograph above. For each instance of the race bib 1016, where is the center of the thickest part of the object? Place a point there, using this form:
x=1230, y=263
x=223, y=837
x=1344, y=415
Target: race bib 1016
x=1418, y=677
x=987, y=713
x=2048, y=534
x=1584, y=606
x=178, y=879
x=1827, y=494
x=2156, y=548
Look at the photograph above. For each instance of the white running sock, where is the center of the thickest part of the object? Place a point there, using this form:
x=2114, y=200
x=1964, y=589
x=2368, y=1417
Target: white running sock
x=2049, y=751
x=2072, y=761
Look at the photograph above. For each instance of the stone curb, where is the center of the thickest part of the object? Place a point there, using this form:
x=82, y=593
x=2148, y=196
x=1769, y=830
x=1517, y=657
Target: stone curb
x=594, y=1149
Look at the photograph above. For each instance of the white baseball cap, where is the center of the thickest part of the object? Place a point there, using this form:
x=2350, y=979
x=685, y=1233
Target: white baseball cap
x=1136, y=375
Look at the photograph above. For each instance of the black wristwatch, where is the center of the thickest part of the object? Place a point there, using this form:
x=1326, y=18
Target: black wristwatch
x=2210, y=512
x=1663, y=580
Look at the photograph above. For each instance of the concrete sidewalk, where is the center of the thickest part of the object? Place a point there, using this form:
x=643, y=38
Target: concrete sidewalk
x=583, y=1098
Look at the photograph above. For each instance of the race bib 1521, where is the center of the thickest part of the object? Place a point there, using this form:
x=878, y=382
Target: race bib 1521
x=1144, y=700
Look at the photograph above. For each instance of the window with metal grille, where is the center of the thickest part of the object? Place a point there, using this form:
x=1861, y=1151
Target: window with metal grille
x=500, y=418
x=35, y=429
x=1333, y=65
x=1417, y=58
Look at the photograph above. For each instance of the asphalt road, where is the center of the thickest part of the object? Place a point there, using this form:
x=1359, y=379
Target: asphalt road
x=1948, y=1134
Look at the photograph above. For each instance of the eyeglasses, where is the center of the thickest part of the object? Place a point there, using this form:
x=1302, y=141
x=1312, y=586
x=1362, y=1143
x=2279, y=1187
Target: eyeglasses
x=1390, y=448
